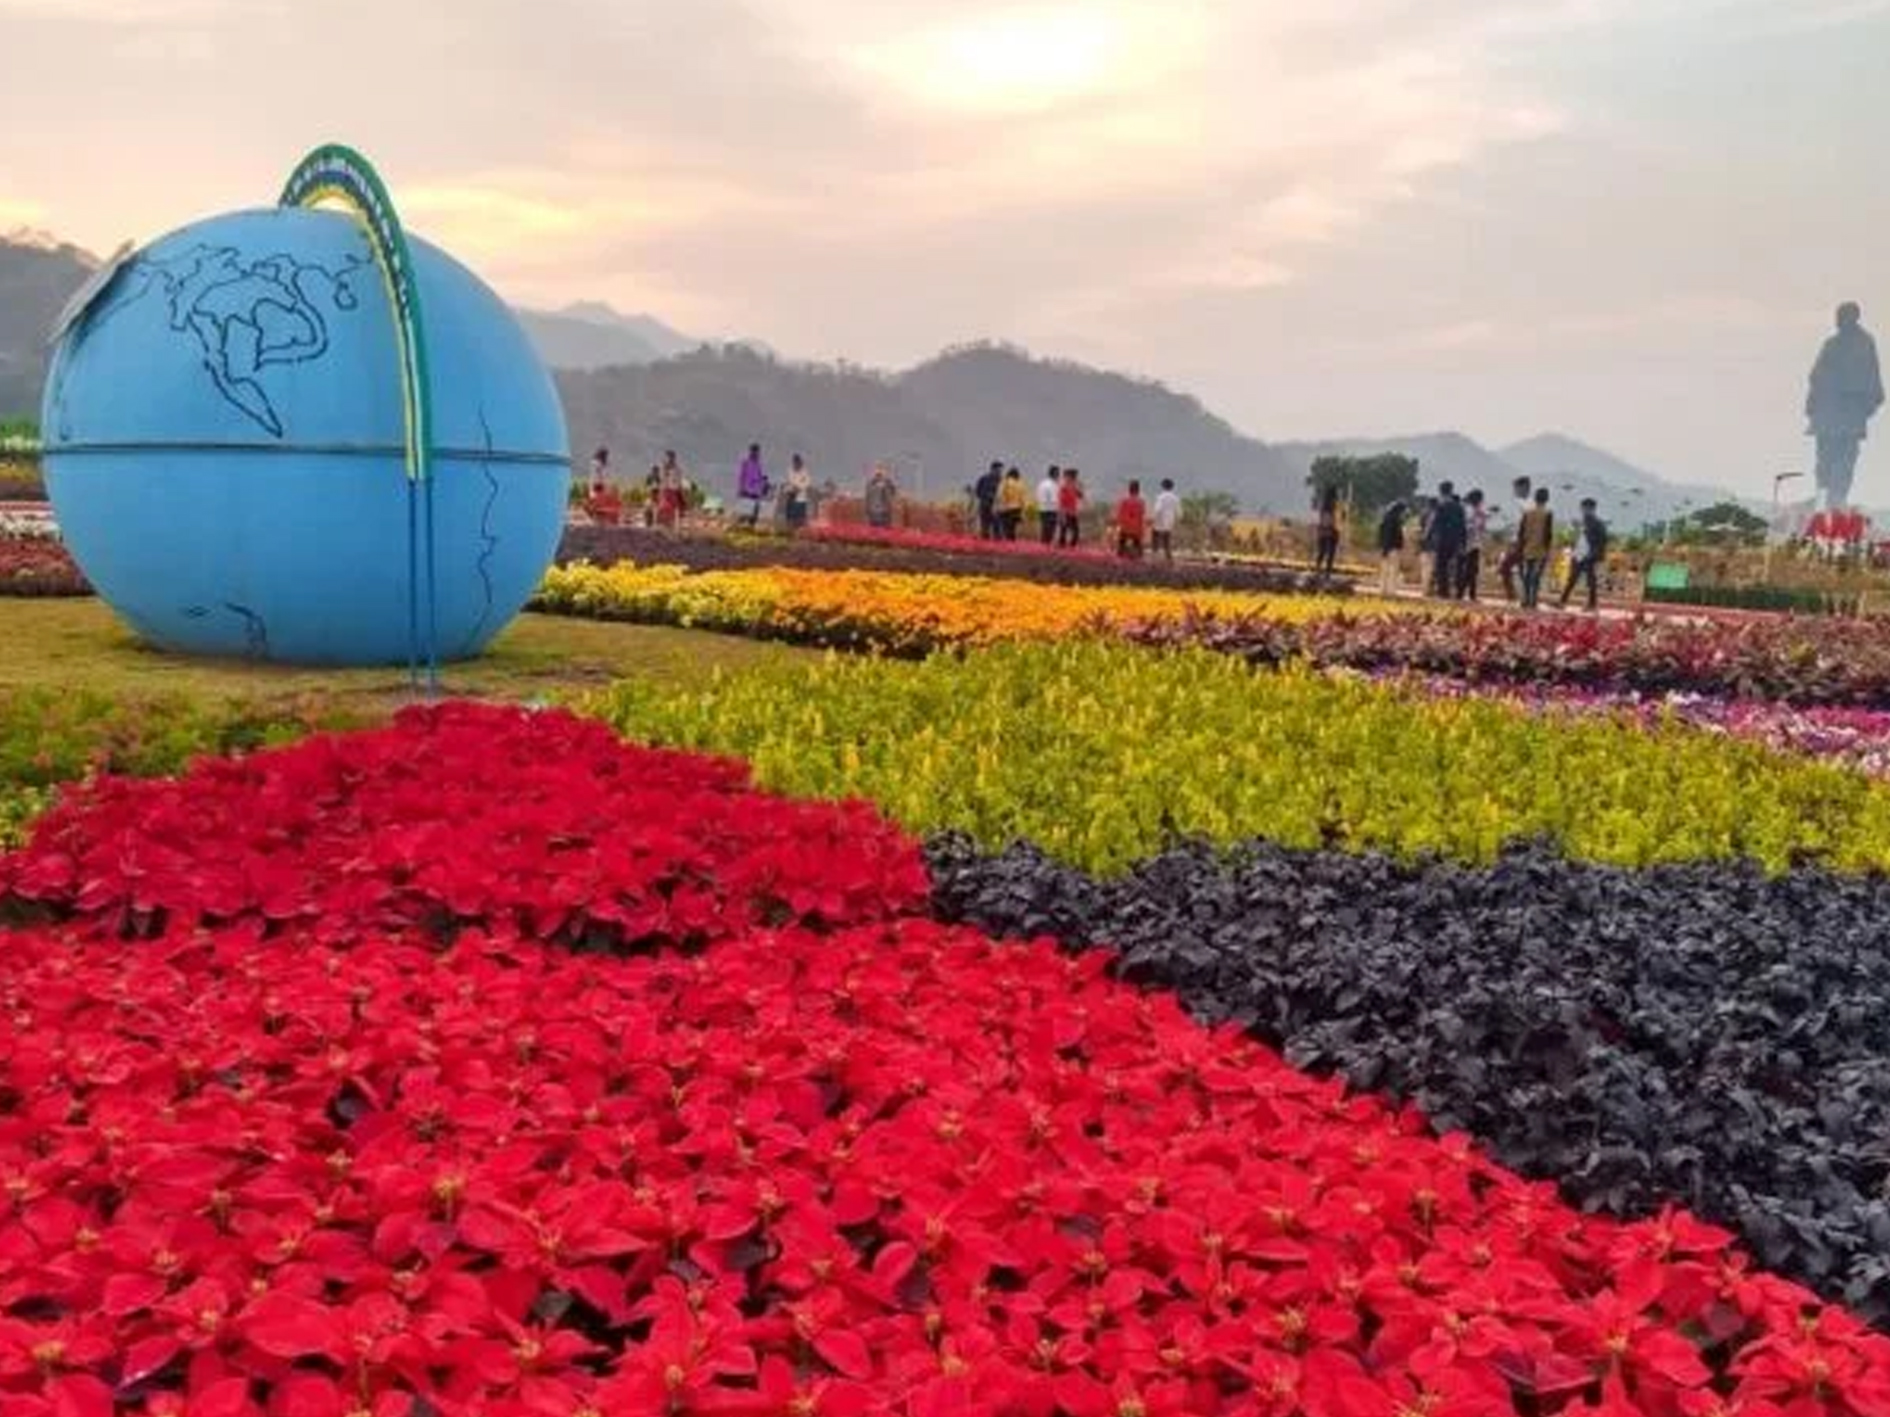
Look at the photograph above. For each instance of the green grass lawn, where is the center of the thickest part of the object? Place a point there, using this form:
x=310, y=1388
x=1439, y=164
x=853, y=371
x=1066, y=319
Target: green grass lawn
x=80, y=645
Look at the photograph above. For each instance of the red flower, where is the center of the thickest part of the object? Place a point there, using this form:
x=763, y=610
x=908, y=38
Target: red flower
x=781, y=1392
x=1620, y=1329
x=690, y=1348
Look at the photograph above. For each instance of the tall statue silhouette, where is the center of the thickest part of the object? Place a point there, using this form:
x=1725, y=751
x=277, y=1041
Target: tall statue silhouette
x=1846, y=389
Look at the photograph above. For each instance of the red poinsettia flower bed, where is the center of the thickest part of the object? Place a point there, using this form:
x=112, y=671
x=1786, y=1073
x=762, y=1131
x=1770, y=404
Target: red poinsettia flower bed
x=544, y=824
x=403, y=1156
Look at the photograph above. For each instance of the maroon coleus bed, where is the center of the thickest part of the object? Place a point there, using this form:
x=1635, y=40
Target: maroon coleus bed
x=1801, y=661
x=407, y=1153
x=37, y=565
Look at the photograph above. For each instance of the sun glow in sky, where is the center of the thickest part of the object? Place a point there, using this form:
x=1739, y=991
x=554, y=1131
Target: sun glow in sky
x=1011, y=61
x=1626, y=219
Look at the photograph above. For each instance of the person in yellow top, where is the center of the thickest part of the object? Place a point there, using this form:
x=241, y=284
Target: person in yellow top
x=1012, y=498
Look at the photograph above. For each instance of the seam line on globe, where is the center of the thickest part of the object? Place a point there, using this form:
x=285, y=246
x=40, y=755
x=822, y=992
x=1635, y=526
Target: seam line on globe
x=326, y=449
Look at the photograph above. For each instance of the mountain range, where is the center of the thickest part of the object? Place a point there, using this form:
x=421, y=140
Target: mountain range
x=634, y=384
x=38, y=274
x=591, y=335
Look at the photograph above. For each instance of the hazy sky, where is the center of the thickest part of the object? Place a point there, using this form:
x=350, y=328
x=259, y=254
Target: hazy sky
x=1626, y=219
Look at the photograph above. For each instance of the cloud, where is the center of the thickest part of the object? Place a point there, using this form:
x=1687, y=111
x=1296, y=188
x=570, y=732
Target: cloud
x=1169, y=142
x=1265, y=151
x=523, y=208
x=127, y=12
x=1011, y=60
x=1805, y=16
x=1643, y=326
x=610, y=214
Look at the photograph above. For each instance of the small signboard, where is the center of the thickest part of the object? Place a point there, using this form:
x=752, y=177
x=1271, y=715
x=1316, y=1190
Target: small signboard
x=1667, y=575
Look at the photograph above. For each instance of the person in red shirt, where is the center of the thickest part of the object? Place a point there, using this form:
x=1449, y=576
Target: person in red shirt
x=604, y=506
x=1131, y=523
x=669, y=492
x=1069, y=509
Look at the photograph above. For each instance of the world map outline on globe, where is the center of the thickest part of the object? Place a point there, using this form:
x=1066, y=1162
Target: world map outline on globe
x=239, y=343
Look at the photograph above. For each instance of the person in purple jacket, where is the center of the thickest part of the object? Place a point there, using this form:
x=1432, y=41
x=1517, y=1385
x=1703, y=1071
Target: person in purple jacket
x=754, y=487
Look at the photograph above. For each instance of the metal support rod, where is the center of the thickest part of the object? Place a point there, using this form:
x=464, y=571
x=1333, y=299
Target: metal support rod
x=413, y=593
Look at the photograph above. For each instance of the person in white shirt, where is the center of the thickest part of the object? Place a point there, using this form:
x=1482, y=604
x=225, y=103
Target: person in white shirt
x=1163, y=520
x=1047, y=505
x=1522, y=493
x=800, y=493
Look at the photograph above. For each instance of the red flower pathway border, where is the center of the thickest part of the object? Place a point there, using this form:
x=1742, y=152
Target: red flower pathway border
x=334, y=1131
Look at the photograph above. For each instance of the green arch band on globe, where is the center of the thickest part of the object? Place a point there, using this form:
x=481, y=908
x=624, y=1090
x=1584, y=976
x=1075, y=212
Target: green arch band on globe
x=337, y=172
x=229, y=452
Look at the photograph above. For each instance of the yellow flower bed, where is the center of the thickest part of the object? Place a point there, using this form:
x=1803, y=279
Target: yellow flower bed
x=893, y=611
x=1100, y=753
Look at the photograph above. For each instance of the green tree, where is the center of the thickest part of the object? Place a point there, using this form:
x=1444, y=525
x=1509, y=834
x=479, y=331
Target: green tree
x=1204, y=509
x=1723, y=524
x=1370, y=483
x=16, y=431
x=1207, y=519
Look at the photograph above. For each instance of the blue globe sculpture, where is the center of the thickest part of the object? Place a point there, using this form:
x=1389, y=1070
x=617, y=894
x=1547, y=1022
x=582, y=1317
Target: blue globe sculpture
x=224, y=442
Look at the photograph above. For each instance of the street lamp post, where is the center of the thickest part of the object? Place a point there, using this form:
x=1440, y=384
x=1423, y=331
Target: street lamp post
x=1778, y=487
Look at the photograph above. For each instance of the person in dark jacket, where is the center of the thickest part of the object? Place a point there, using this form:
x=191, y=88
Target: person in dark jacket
x=1476, y=528
x=1591, y=549
x=987, y=495
x=1391, y=547
x=1448, y=533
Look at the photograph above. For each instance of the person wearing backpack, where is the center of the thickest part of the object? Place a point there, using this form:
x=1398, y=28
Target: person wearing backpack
x=1446, y=538
x=1591, y=549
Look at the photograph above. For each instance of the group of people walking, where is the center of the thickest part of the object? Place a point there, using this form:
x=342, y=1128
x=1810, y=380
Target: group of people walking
x=1455, y=531
x=666, y=492
x=1003, y=500
x=794, y=499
